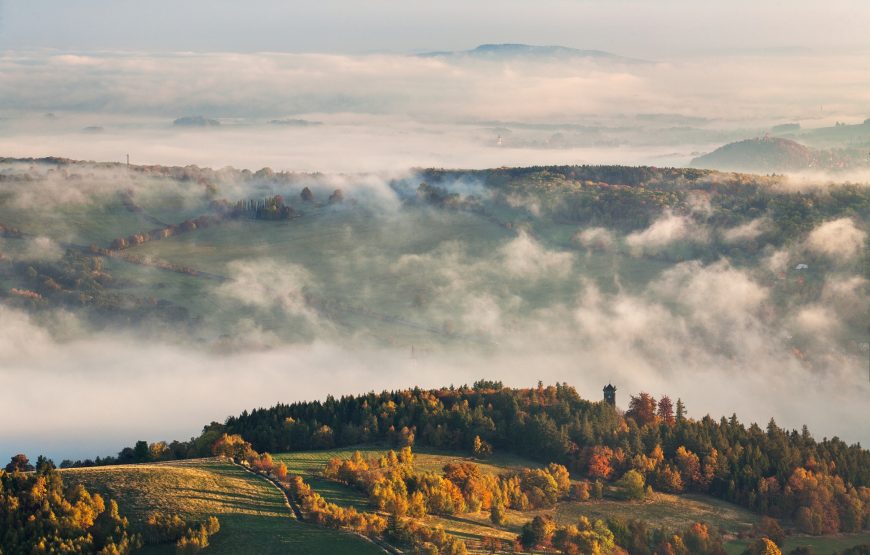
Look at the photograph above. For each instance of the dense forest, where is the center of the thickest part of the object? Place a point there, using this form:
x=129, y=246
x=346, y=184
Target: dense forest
x=631, y=198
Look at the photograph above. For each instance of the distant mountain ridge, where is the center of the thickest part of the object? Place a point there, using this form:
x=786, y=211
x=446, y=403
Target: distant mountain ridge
x=772, y=154
x=519, y=51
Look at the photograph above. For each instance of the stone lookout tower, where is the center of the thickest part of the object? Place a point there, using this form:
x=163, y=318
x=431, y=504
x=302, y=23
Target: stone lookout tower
x=610, y=395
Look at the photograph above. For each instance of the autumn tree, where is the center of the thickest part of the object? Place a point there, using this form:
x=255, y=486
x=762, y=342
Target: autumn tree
x=280, y=471
x=666, y=478
x=537, y=532
x=233, y=447
x=600, y=463
x=762, y=546
x=642, y=408
x=631, y=485
x=581, y=491
x=585, y=537
x=19, y=463
x=702, y=540
x=665, y=411
x=158, y=451
x=540, y=487
x=38, y=514
x=497, y=513
x=689, y=467
x=481, y=448
x=769, y=528
x=561, y=476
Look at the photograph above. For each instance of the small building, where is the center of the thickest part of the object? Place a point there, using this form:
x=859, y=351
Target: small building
x=610, y=395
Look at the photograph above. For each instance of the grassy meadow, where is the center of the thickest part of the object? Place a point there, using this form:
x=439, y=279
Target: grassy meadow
x=822, y=545
x=252, y=513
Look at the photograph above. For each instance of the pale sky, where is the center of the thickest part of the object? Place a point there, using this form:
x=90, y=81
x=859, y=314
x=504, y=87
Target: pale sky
x=639, y=28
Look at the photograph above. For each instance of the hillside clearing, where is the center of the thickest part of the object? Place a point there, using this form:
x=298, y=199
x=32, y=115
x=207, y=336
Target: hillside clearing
x=251, y=511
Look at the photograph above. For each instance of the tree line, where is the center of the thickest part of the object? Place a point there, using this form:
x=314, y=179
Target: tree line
x=399, y=524
x=822, y=485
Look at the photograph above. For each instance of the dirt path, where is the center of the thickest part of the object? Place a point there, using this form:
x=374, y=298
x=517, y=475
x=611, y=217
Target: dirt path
x=297, y=514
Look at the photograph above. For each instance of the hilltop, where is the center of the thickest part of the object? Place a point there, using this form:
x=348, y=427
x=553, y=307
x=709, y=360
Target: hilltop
x=479, y=468
x=775, y=154
x=527, y=51
x=839, y=135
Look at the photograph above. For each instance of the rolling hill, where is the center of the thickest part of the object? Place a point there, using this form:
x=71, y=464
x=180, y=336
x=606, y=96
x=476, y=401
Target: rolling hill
x=254, y=517
x=774, y=154
x=672, y=511
x=252, y=512
x=515, y=51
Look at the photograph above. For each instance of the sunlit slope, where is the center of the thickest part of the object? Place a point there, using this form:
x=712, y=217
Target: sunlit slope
x=675, y=512
x=251, y=511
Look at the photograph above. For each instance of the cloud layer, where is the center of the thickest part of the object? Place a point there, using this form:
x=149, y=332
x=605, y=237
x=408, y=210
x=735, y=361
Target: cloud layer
x=386, y=112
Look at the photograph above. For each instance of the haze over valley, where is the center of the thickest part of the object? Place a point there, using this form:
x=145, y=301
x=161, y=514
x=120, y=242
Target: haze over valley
x=568, y=276
x=182, y=288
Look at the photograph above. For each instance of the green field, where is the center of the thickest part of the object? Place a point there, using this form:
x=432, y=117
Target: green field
x=252, y=513
x=383, y=273
x=825, y=545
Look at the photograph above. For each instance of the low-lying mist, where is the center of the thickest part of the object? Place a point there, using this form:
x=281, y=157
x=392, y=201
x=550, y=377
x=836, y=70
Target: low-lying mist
x=90, y=396
x=345, y=113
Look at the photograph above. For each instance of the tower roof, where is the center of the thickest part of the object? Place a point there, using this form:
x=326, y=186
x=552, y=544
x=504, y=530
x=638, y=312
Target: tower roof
x=609, y=387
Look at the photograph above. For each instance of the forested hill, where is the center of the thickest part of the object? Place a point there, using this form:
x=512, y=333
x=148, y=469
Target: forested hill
x=773, y=154
x=629, y=198
x=821, y=484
